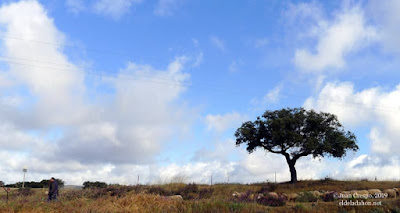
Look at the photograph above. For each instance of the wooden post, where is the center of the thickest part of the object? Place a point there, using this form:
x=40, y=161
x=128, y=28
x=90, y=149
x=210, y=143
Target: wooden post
x=7, y=190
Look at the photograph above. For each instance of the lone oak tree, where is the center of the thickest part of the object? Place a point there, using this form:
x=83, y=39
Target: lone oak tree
x=296, y=132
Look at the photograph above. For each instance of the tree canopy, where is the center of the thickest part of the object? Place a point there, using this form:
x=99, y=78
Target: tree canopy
x=295, y=133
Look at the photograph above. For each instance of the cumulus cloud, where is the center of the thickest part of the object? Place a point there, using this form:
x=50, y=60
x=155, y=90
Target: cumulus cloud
x=374, y=106
x=273, y=96
x=335, y=39
x=385, y=13
x=56, y=129
x=136, y=125
x=167, y=7
x=221, y=123
x=371, y=167
x=114, y=8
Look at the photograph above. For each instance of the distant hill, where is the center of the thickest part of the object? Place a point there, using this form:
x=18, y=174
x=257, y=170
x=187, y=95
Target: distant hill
x=73, y=187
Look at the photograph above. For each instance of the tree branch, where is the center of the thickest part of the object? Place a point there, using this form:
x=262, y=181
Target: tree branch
x=273, y=151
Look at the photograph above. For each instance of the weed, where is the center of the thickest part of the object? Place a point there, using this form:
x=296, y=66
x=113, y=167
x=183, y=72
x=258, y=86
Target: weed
x=307, y=197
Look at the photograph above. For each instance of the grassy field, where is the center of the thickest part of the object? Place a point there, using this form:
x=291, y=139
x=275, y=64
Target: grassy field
x=196, y=198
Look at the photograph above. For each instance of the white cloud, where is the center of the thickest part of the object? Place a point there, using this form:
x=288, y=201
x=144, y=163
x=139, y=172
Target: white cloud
x=347, y=33
x=373, y=106
x=57, y=93
x=75, y=6
x=371, y=167
x=142, y=117
x=221, y=123
x=199, y=60
x=114, y=8
x=166, y=7
x=273, y=96
x=56, y=130
x=218, y=43
x=386, y=14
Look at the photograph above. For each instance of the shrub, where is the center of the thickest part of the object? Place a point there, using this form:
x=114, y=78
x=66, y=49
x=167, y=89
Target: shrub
x=307, y=197
x=157, y=190
x=395, y=210
x=329, y=197
x=270, y=187
x=25, y=191
x=72, y=194
x=192, y=191
x=271, y=201
x=205, y=193
x=342, y=210
x=235, y=207
x=96, y=184
x=377, y=210
x=298, y=208
x=119, y=191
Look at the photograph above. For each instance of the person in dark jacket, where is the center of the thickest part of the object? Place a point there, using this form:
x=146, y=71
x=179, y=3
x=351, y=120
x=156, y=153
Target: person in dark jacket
x=53, y=189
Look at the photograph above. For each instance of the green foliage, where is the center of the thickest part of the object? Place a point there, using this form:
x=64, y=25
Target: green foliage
x=377, y=210
x=395, y=210
x=299, y=208
x=34, y=184
x=236, y=207
x=96, y=184
x=1, y=183
x=307, y=197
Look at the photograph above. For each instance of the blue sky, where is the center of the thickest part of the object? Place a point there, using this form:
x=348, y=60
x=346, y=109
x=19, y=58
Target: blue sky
x=107, y=90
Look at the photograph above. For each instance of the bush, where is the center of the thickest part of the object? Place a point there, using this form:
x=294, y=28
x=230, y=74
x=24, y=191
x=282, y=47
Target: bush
x=192, y=191
x=157, y=190
x=329, y=197
x=377, y=210
x=25, y=191
x=96, y=184
x=118, y=191
x=235, y=207
x=298, y=208
x=307, y=197
x=205, y=193
x=270, y=187
x=271, y=201
x=395, y=210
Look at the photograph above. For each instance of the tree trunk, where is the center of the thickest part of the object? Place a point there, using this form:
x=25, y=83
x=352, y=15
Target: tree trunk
x=291, y=162
x=293, y=173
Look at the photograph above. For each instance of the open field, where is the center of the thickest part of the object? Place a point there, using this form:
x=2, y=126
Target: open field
x=197, y=198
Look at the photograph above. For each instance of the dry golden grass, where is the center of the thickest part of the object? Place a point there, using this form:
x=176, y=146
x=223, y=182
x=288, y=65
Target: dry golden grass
x=220, y=200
